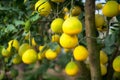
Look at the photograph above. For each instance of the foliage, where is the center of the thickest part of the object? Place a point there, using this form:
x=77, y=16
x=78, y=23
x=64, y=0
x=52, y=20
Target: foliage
x=18, y=19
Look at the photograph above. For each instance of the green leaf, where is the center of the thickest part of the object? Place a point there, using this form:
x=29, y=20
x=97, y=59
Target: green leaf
x=53, y=45
x=118, y=17
x=18, y=22
x=27, y=25
x=110, y=40
x=109, y=50
x=34, y=17
x=10, y=28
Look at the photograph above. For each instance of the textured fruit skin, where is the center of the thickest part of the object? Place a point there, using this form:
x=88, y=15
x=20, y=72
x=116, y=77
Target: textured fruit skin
x=56, y=25
x=72, y=26
x=29, y=57
x=23, y=48
x=110, y=9
x=80, y=53
x=99, y=20
x=68, y=41
x=71, y=68
x=50, y=54
x=103, y=57
x=103, y=69
x=76, y=11
x=116, y=64
x=43, y=7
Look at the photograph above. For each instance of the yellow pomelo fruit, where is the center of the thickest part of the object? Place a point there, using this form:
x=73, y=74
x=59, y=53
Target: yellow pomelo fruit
x=29, y=56
x=56, y=25
x=110, y=9
x=57, y=0
x=103, y=57
x=5, y=53
x=99, y=6
x=16, y=59
x=71, y=68
x=33, y=42
x=65, y=10
x=116, y=75
x=50, y=54
x=99, y=20
x=116, y=64
x=68, y=41
x=72, y=25
x=23, y=48
x=119, y=8
x=76, y=11
x=41, y=47
x=43, y=7
x=55, y=38
x=80, y=53
x=13, y=43
x=66, y=16
x=41, y=56
x=103, y=69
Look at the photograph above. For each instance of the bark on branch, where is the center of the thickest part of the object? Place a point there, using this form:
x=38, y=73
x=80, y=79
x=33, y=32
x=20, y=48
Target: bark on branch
x=91, y=42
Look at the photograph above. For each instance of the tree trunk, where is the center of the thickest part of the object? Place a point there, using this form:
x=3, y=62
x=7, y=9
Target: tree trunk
x=94, y=59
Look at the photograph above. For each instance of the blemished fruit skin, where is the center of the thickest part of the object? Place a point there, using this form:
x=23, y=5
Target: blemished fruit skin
x=29, y=57
x=72, y=26
x=116, y=64
x=76, y=11
x=71, y=68
x=56, y=25
x=50, y=54
x=68, y=41
x=43, y=7
x=80, y=53
x=103, y=69
x=57, y=0
x=103, y=57
x=110, y=9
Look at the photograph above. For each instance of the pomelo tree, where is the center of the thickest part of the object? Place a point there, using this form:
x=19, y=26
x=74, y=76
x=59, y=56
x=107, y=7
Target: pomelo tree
x=59, y=40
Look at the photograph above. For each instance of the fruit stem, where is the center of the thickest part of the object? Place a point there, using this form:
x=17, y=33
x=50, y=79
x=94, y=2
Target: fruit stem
x=108, y=18
x=72, y=4
x=57, y=10
x=71, y=59
x=29, y=38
